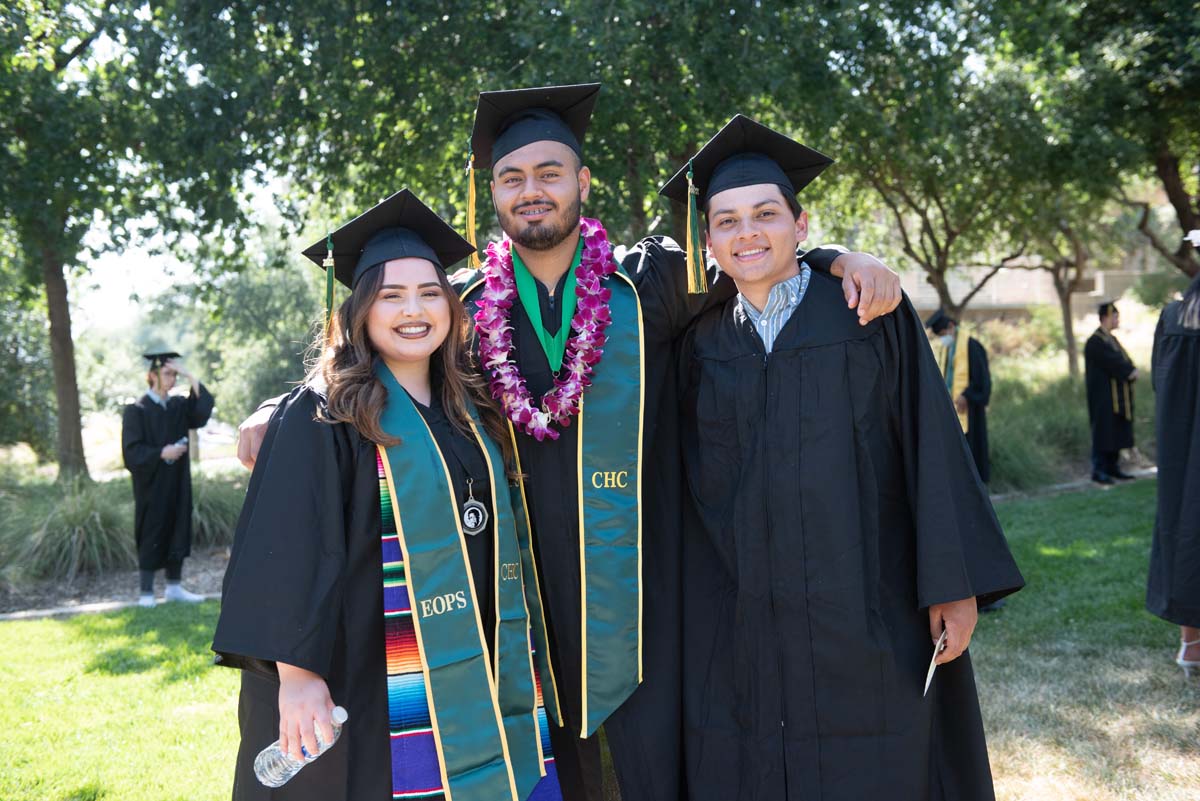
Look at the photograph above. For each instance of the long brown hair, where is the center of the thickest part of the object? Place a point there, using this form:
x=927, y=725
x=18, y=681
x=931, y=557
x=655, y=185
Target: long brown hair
x=355, y=395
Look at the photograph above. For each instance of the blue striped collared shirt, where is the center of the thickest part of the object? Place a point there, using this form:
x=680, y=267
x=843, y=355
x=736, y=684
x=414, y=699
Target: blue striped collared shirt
x=781, y=304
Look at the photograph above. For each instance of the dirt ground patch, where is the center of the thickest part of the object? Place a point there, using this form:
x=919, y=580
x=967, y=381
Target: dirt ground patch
x=202, y=573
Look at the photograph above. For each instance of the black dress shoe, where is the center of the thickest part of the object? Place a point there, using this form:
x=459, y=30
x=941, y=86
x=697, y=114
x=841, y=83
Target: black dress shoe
x=1121, y=476
x=1102, y=478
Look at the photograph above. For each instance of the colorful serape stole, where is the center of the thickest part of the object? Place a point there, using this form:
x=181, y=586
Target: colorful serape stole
x=547, y=789
x=415, y=770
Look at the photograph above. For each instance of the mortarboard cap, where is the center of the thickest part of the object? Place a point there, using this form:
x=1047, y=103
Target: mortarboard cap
x=744, y=153
x=159, y=359
x=508, y=120
x=399, y=227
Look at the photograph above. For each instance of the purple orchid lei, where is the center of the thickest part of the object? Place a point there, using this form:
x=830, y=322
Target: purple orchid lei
x=584, y=347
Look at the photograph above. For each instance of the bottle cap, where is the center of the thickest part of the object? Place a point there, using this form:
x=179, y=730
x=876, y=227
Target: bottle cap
x=339, y=715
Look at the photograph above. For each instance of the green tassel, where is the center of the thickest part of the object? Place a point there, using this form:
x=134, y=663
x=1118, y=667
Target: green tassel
x=697, y=272
x=329, y=275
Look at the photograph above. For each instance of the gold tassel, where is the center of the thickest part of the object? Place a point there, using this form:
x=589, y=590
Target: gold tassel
x=697, y=272
x=329, y=275
x=474, y=262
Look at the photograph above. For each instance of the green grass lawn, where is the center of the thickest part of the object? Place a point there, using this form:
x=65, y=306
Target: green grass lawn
x=1080, y=696
x=123, y=706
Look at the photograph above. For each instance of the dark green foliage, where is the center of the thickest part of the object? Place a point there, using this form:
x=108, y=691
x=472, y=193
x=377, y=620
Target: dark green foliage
x=27, y=402
x=1158, y=289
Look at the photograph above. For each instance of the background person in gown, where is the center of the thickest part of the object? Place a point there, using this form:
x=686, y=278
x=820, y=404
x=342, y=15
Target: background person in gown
x=154, y=433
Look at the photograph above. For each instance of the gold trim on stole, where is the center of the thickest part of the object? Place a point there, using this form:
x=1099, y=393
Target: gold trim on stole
x=583, y=660
x=496, y=548
x=537, y=584
x=641, y=441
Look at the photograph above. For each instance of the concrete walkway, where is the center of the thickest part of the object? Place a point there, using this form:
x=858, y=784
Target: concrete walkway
x=79, y=609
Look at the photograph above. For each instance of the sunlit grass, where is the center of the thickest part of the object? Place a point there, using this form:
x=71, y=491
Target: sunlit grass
x=1081, y=699
x=1080, y=695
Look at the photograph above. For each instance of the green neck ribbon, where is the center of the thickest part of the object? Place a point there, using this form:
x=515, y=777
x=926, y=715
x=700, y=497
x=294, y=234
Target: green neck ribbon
x=554, y=346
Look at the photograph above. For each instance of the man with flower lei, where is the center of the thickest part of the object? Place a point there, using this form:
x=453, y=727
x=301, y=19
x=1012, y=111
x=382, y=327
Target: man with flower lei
x=578, y=350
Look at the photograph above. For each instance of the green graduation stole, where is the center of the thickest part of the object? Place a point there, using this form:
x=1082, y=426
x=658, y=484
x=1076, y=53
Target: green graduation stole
x=609, y=472
x=611, y=421
x=484, y=721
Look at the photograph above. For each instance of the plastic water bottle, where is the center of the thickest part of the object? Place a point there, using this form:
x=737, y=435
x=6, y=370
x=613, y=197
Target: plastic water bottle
x=180, y=441
x=275, y=767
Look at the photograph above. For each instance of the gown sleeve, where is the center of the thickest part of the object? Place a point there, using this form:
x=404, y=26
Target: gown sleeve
x=979, y=389
x=139, y=456
x=960, y=547
x=1156, y=353
x=200, y=404
x=282, y=596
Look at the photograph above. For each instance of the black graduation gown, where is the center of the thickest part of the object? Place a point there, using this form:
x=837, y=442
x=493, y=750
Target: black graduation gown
x=304, y=586
x=1173, y=591
x=833, y=499
x=644, y=733
x=162, y=493
x=978, y=394
x=1109, y=392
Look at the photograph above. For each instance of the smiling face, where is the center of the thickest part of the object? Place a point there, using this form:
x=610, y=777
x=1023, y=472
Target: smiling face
x=753, y=235
x=409, y=317
x=538, y=191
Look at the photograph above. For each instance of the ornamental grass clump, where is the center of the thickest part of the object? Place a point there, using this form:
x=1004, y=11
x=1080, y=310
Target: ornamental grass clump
x=85, y=528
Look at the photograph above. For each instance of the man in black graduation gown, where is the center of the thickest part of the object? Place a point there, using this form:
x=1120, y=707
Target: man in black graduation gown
x=1173, y=589
x=531, y=141
x=972, y=400
x=1110, y=375
x=154, y=432
x=837, y=525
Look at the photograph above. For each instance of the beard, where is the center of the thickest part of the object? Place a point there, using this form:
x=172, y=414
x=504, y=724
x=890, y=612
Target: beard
x=543, y=235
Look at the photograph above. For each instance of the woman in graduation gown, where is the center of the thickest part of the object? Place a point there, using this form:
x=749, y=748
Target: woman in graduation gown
x=1173, y=592
x=836, y=519
x=380, y=562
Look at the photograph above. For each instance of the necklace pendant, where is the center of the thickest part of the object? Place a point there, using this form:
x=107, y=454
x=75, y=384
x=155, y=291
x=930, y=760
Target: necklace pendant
x=474, y=513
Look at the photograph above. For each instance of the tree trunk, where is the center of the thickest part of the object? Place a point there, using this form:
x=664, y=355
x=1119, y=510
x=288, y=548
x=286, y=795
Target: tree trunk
x=71, y=462
x=1166, y=164
x=937, y=279
x=1063, y=289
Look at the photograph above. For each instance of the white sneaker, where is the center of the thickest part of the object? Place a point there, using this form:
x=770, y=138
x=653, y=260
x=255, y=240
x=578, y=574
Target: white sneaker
x=146, y=599
x=176, y=592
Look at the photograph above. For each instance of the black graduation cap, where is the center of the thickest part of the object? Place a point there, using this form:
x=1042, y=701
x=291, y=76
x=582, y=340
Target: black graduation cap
x=399, y=227
x=938, y=321
x=159, y=359
x=510, y=119
x=1106, y=308
x=744, y=153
